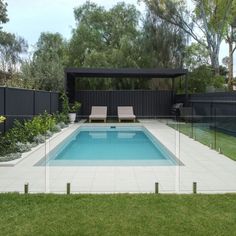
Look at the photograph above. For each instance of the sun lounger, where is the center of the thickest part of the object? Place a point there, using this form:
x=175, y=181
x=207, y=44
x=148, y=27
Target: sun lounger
x=98, y=113
x=126, y=113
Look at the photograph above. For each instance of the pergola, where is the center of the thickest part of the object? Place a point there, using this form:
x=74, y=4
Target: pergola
x=71, y=74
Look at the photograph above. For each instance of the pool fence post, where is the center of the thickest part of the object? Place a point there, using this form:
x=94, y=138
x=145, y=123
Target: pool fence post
x=68, y=188
x=194, y=187
x=26, y=188
x=156, y=187
x=219, y=150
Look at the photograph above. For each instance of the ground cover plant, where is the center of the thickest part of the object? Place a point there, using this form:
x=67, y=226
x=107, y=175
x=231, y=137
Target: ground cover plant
x=29, y=133
x=210, y=137
x=140, y=214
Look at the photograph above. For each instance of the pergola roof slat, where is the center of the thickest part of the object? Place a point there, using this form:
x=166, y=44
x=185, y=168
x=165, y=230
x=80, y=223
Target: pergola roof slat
x=126, y=72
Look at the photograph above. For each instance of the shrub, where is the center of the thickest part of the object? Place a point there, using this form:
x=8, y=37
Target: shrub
x=74, y=107
x=62, y=125
x=65, y=108
x=39, y=139
x=48, y=134
x=10, y=157
x=56, y=128
x=2, y=119
x=28, y=133
x=23, y=147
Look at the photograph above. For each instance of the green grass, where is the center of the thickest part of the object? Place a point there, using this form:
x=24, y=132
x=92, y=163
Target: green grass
x=117, y=214
x=209, y=137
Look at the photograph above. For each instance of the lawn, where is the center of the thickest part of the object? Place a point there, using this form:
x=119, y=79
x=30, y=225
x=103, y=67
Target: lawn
x=209, y=137
x=146, y=214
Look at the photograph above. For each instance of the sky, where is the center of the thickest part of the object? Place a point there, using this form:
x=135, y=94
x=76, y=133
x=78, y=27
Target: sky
x=28, y=18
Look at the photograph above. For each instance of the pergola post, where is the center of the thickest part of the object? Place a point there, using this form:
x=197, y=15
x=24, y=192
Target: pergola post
x=70, y=87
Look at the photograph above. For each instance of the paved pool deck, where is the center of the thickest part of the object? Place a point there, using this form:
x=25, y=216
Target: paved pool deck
x=213, y=172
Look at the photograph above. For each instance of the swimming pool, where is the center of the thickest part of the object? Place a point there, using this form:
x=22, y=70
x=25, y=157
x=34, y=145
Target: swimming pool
x=110, y=145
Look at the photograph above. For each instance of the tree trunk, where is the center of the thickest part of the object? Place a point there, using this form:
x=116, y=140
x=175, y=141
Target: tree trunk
x=230, y=66
x=215, y=62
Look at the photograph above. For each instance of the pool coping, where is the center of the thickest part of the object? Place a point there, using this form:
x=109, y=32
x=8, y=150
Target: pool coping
x=172, y=156
x=52, y=142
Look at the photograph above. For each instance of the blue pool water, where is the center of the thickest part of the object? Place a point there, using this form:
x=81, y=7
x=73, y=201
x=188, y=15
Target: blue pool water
x=110, y=146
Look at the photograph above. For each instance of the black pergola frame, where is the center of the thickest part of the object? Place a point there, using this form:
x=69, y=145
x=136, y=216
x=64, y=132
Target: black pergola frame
x=71, y=74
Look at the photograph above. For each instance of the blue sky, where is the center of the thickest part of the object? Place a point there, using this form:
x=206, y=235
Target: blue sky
x=28, y=18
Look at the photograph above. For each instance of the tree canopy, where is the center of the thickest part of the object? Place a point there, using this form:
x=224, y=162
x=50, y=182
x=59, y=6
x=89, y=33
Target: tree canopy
x=205, y=24
x=46, y=69
x=3, y=13
x=167, y=35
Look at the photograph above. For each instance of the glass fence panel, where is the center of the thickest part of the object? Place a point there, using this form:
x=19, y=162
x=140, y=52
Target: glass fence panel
x=163, y=154
x=208, y=156
x=113, y=157
x=20, y=149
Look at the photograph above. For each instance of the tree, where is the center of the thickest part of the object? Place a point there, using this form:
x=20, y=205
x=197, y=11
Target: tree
x=46, y=69
x=230, y=38
x=163, y=45
x=3, y=13
x=11, y=48
x=201, y=79
x=209, y=17
x=195, y=56
x=105, y=38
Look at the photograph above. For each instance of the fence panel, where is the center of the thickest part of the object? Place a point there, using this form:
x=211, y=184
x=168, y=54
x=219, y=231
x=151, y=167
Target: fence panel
x=219, y=107
x=42, y=102
x=54, y=102
x=146, y=103
x=23, y=104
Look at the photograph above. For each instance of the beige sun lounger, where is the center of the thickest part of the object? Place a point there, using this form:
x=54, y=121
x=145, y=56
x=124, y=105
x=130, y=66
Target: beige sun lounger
x=126, y=113
x=98, y=113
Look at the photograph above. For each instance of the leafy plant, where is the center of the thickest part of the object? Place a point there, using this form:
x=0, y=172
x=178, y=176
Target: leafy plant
x=56, y=128
x=2, y=119
x=26, y=134
x=23, y=147
x=65, y=109
x=39, y=139
x=74, y=107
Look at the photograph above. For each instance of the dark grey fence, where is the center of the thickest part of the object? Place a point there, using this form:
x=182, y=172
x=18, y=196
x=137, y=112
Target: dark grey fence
x=218, y=108
x=146, y=103
x=24, y=104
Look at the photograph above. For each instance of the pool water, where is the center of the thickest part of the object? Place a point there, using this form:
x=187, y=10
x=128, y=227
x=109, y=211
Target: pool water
x=111, y=146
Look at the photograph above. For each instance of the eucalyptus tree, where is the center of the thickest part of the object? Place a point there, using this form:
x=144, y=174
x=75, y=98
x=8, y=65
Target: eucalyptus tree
x=230, y=38
x=205, y=24
x=163, y=45
x=11, y=49
x=3, y=13
x=195, y=56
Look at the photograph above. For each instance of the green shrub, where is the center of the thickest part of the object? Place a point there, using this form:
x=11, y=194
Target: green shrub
x=74, y=107
x=27, y=133
x=65, y=108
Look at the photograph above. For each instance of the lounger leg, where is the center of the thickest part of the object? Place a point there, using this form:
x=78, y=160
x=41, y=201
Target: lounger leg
x=105, y=121
x=89, y=120
x=119, y=120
